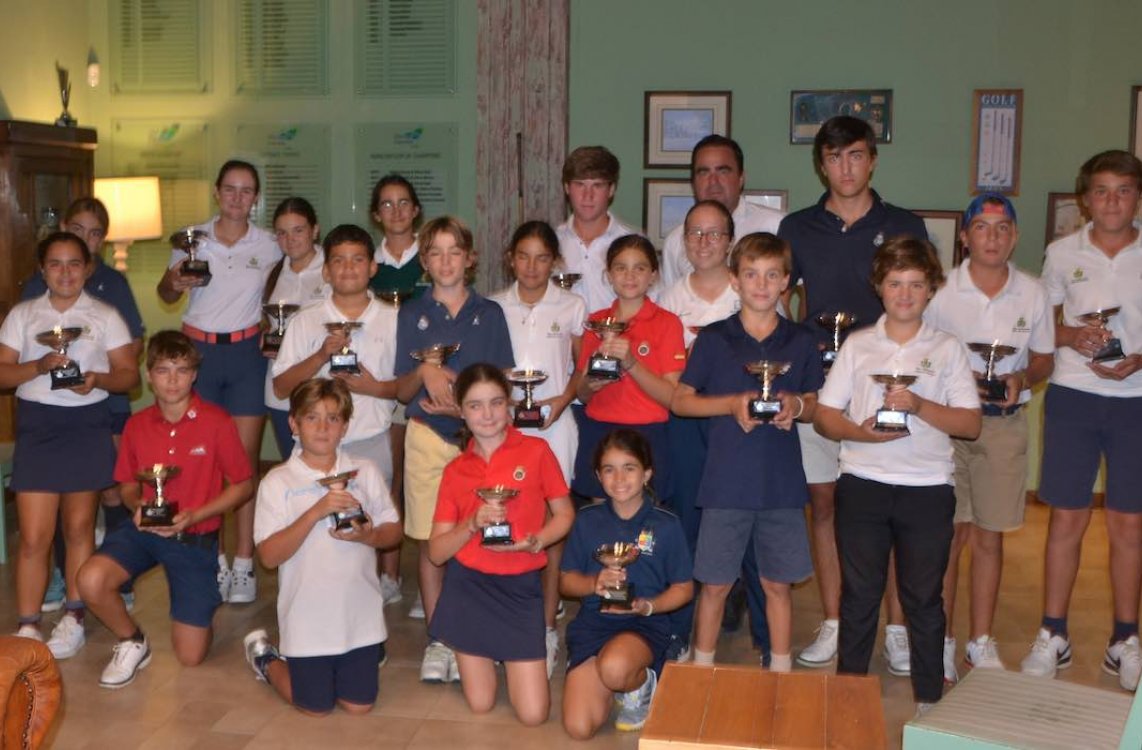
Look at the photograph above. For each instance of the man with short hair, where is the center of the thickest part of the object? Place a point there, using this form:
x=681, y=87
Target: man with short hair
x=717, y=173
x=833, y=245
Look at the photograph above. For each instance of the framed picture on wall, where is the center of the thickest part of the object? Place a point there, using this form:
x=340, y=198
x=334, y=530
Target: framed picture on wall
x=997, y=124
x=775, y=199
x=944, y=232
x=665, y=202
x=808, y=110
x=1064, y=215
x=676, y=120
x=1135, y=123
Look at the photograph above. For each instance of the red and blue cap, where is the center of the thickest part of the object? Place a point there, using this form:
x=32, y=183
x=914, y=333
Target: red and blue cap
x=989, y=203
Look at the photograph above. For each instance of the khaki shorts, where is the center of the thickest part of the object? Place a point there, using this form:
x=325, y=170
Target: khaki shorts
x=425, y=456
x=820, y=457
x=991, y=474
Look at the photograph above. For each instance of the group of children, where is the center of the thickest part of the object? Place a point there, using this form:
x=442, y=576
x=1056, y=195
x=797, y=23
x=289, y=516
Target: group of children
x=644, y=403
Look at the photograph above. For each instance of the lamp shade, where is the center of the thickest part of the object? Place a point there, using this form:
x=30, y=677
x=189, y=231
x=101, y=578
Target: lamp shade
x=134, y=207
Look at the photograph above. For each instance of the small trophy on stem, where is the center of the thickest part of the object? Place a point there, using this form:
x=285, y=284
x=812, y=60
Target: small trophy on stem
x=616, y=556
x=892, y=420
x=496, y=534
x=346, y=359
x=187, y=240
x=65, y=120
x=343, y=520
x=604, y=366
x=994, y=389
x=765, y=408
x=279, y=313
x=57, y=339
x=159, y=511
x=527, y=412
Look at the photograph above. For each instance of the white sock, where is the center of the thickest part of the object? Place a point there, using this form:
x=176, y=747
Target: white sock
x=243, y=564
x=704, y=657
x=222, y=563
x=780, y=662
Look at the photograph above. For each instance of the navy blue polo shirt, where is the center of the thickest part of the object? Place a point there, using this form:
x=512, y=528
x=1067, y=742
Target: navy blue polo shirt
x=761, y=469
x=664, y=557
x=107, y=285
x=835, y=263
x=480, y=329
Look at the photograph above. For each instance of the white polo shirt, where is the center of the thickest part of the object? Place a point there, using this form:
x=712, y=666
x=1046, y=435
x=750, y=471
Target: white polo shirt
x=541, y=340
x=1082, y=279
x=374, y=343
x=232, y=301
x=329, y=596
x=1019, y=315
x=693, y=311
x=591, y=260
x=748, y=218
x=296, y=288
x=103, y=330
x=924, y=457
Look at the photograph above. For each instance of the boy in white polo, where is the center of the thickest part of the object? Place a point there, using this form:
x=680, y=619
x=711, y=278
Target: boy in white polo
x=987, y=300
x=1092, y=410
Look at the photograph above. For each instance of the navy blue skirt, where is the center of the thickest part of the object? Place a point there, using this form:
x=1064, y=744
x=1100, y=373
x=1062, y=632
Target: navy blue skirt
x=499, y=617
x=62, y=448
x=592, y=432
x=590, y=631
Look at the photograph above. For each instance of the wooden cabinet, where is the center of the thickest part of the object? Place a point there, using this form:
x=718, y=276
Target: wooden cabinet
x=43, y=168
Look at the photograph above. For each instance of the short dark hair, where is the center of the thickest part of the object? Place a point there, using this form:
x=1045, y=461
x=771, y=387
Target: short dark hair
x=299, y=206
x=717, y=206
x=907, y=253
x=625, y=440
x=1115, y=161
x=172, y=345
x=761, y=245
x=480, y=372
x=311, y=392
x=345, y=234
x=539, y=230
x=64, y=237
x=591, y=163
x=232, y=164
x=721, y=141
x=636, y=241
x=839, y=132
x=394, y=179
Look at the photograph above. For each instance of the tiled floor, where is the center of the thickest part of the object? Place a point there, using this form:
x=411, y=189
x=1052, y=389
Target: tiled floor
x=220, y=706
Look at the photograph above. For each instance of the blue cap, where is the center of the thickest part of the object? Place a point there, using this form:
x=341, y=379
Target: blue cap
x=989, y=203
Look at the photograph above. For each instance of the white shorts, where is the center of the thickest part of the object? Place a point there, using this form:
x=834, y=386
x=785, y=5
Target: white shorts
x=820, y=457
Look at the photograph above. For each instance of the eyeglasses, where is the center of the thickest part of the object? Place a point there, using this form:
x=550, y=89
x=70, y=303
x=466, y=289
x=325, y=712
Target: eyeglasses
x=403, y=204
x=710, y=235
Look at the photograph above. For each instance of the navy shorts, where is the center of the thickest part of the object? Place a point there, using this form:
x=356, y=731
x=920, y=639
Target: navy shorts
x=318, y=682
x=780, y=544
x=591, y=630
x=233, y=376
x=1079, y=428
x=191, y=568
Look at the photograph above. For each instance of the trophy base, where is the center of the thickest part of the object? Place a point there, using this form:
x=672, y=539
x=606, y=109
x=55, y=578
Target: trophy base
x=346, y=519
x=346, y=363
x=157, y=515
x=763, y=411
x=198, y=269
x=828, y=357
x=272, y=343
x=993, y=390
x=67, y=376
x=617, y=599
x=1109, y=353
x=497, y=535
x=889, y=420
x=604, y=368
x=528, y=417
x=66, y=121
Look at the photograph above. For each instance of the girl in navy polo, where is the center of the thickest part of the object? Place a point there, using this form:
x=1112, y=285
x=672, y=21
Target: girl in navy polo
x=621, y=651
x=491, y=606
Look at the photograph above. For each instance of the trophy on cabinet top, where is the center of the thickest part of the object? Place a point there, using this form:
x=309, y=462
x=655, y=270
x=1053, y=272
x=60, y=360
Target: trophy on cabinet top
x=65, y=120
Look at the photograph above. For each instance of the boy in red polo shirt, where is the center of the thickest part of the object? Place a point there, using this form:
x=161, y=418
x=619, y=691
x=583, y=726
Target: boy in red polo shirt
x=199, y=438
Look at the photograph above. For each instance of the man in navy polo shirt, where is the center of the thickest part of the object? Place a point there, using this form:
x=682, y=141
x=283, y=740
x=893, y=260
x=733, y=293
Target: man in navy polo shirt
x=833, y=243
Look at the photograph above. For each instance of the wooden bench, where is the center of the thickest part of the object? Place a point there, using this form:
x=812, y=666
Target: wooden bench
x=748, y=707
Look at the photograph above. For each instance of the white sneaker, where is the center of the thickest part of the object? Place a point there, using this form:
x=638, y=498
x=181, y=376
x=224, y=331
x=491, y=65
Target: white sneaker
x=129, y=657
x=436, y=666
x=951, y=676
x=30, y=631
x=560, y=610
x=67, y=637
x=982, y=653
x=243, y=586
x=1125, y=660
x=823, y=650
x=635, y=705
x=897, y=652
x=257, y=644
x=417, y=610
x=390, y=590
x=225, y=579
x=454, y=667
x=1049, y=653
x=551, y=640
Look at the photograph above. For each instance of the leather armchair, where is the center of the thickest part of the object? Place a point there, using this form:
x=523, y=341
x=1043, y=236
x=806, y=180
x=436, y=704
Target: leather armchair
x=30, y=692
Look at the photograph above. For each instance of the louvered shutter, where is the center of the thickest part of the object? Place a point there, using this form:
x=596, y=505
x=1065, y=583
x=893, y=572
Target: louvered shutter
x=280, y=47
x=406, y=47
x=158, y=47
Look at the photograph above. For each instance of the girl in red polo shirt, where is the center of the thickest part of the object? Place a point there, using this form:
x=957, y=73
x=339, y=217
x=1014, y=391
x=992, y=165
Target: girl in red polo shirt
x=651, y=356
x=491, y=606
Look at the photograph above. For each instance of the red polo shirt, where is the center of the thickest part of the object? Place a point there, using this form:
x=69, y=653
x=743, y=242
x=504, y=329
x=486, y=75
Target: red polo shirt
x=204, y=445
x=523, y=463
x=655, y=337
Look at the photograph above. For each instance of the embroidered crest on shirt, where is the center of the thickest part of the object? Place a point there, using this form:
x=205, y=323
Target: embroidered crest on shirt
x=643, y=349
x=1021, y=326
x=519, y=473
x=198, y=450
x=252, y=263
x=1077, y=275
x=422, y=324
x=646, y=542
x=925, y=367
x=554, y=327
x=878, y=240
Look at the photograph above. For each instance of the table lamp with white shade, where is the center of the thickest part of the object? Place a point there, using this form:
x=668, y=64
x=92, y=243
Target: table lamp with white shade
x=135, y=211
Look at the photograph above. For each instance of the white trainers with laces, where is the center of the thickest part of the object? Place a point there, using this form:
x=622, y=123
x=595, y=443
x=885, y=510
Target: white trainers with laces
x=635, y=705
x=823, y=650
x=454, y=667
x=390, y=590
x=225, y=579
x=982, y=653
x=551, y=640
x=416, y=612
x=243, y=586
x=1049, y=653
x=30, y=631
x=257, y=644
x=897, y=652
x=436, y=664
x=951, y=676
x=67, y=637
x=128, y=658
x=1125, y=660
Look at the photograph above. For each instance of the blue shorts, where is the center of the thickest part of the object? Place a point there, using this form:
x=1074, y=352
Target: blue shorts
x=591, y=630
x=318, y=682
x=780, y=544
x=233, y=376
x=1079, y=428
x=191, y=568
